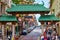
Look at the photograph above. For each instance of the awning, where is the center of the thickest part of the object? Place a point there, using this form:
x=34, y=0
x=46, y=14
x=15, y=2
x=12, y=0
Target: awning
x=48, y=18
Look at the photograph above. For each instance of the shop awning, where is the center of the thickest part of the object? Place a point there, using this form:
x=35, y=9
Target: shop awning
x=48, y=18
x=7, y=18
x=28, y=8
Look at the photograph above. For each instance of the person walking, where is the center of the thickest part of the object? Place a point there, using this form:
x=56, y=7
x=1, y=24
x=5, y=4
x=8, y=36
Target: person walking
x=9, y=34
x=42, y=37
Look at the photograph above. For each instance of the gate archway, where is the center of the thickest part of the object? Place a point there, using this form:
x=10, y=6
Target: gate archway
x=27, y=9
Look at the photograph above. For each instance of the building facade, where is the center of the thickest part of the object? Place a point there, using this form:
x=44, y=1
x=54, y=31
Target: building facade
x=55, y=9
x=4, y=4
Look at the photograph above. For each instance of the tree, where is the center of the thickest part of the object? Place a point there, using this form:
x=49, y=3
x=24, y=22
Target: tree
x=51, y=2
x=16, y=1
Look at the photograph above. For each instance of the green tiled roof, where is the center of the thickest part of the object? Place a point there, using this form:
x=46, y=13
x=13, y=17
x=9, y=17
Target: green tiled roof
x=8, y=18
x=28, y=8
x=48, y=18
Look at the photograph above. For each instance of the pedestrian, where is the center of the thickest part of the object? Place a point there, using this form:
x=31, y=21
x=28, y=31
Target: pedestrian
x=46, y=30
x=9, y=34
x=49, y=30
x=45, y=37
x=42, y=37
x=53, y=37
x=49, y=36
x=56, y=37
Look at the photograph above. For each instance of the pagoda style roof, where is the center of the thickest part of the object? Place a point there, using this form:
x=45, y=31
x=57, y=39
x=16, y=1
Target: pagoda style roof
x=48, y=18
x=7, y=18
x=28, y=8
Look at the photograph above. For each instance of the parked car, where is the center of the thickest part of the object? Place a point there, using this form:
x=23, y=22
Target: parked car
x=24, y=32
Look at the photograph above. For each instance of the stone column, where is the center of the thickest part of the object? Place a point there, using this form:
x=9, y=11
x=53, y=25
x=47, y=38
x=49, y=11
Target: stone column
x=42, y=26
x=59, y=29
x=0, y=8
x=3, y=32
x=53, y=24
x=13, y=30
x=0, y=25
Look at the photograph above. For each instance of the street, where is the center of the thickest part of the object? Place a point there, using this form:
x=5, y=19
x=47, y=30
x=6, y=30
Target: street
x=33, y=35
x=29, y=20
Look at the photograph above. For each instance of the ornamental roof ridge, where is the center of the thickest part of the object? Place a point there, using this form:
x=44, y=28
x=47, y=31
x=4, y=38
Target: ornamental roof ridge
x=28, y=4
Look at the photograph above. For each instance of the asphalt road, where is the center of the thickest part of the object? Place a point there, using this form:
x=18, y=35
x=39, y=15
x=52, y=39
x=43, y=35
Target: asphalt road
x=33, y=35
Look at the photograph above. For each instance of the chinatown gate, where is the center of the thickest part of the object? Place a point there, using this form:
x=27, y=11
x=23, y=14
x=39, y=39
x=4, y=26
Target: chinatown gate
x=16, y=10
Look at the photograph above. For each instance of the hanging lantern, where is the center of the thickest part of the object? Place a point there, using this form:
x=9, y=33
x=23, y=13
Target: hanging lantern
x=49, y=23
x=19, y=19
x=17, y=15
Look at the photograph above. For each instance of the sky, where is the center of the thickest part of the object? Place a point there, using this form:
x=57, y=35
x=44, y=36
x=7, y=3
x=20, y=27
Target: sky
x=46, y=4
